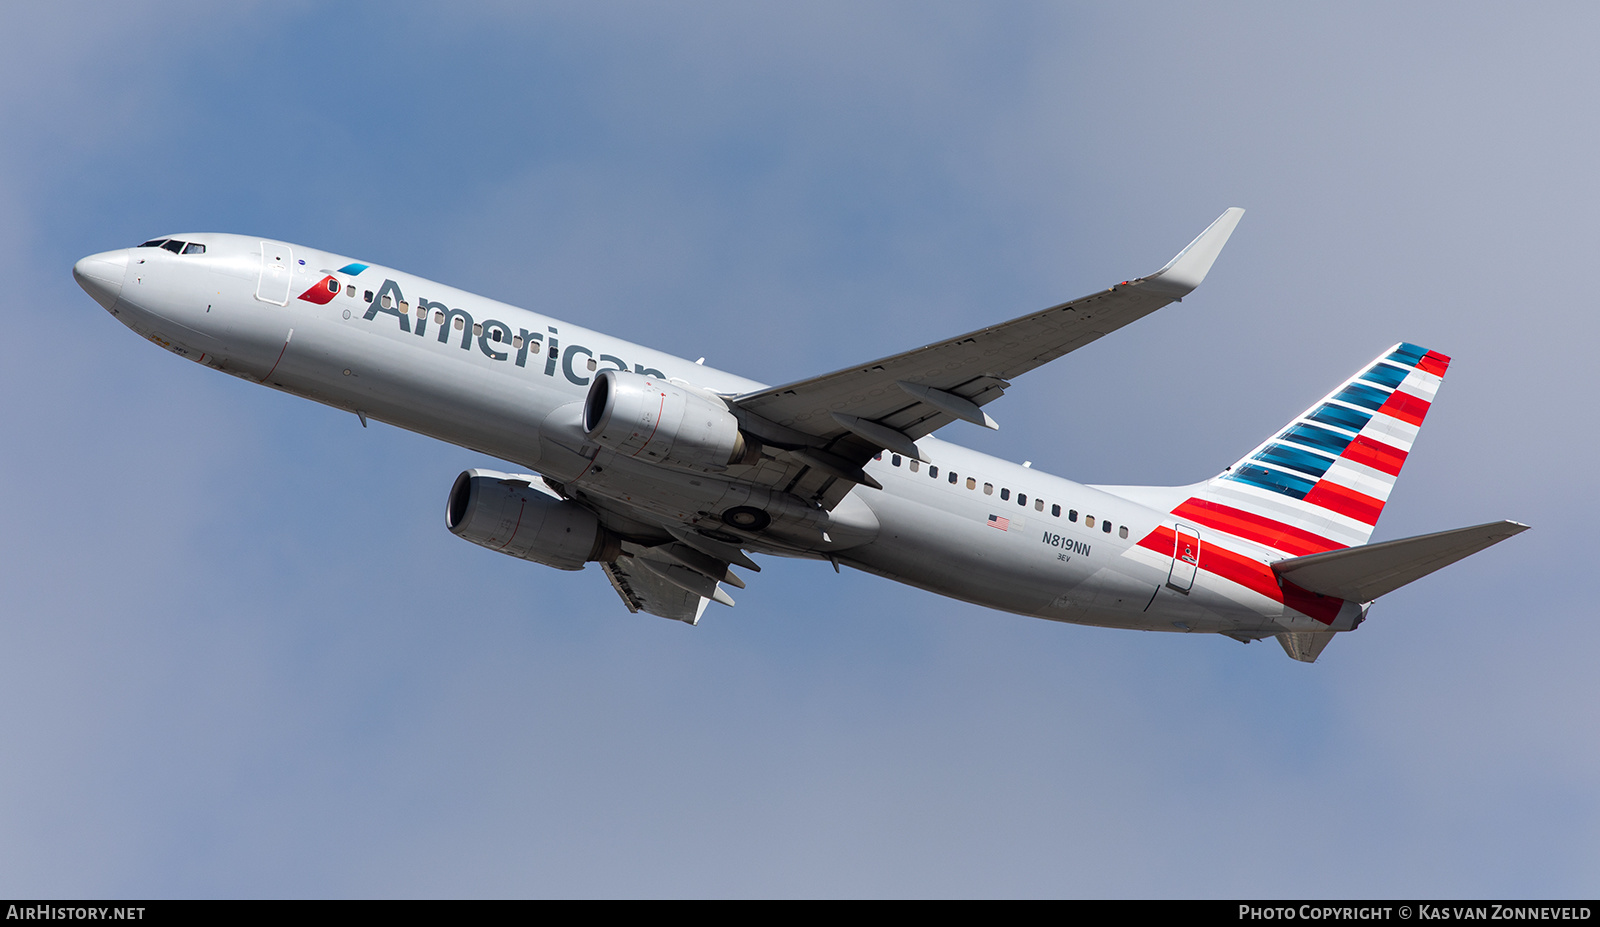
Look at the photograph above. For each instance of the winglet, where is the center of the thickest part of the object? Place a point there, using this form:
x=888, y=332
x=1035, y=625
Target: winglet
x=1185, y=272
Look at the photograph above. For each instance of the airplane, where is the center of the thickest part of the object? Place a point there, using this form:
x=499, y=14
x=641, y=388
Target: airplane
x=669, y=473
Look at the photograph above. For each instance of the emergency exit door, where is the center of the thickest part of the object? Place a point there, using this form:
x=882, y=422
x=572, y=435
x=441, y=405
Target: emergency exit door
x=1185, y=557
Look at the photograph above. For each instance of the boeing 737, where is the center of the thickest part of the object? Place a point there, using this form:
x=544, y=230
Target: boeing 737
x=670, y=473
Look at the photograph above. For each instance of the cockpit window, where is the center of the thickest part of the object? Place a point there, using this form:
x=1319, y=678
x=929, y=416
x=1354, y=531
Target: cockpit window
x=175, y=246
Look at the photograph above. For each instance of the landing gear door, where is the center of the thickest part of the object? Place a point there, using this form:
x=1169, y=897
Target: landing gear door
x=276, y=273
x=1185, y=557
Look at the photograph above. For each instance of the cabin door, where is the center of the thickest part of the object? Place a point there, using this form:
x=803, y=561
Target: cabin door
x=276, y=273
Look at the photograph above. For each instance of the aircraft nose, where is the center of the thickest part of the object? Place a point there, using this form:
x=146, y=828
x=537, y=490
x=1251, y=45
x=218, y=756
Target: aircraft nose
x=101, y=275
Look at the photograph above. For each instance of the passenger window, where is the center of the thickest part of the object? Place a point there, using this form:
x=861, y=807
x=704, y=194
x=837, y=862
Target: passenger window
x=1005, y=494
x=516, y=342
x=461, y=323
x=1106, y=527
x=1055, y=510
x=197, y=248
x=592, y=365
x=477, y=329
x=386, y=301
x=350, y=290
x=972, y=483
x=933, y=472
x=1088, y=521
x=952, y=477
x=495, y=337
x=333, y=286
x=405, y=307
x=895, y=460
x=173, y=245
x=914, y=465
x=367, y=296
x=1022, y=498
x=1072, y=515
x=1038, y=505
x=438, y=317
x=1122, y=532
x=988, y=489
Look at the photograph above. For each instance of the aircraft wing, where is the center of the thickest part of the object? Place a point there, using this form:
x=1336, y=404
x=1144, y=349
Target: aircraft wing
x=841, y=419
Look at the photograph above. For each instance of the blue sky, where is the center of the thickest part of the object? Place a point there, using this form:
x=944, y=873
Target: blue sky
x=240, y=655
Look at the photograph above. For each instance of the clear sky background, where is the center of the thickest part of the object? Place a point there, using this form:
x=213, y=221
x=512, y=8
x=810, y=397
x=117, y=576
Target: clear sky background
x=241, y=655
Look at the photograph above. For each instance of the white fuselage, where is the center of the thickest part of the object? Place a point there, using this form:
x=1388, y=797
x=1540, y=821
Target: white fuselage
x=375, y=348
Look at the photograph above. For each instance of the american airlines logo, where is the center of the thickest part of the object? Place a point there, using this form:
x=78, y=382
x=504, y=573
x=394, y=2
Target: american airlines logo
x=496, y=339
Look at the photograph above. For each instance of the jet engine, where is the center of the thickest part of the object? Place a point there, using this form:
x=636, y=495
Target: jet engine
x=648, y=418
x=518, y=515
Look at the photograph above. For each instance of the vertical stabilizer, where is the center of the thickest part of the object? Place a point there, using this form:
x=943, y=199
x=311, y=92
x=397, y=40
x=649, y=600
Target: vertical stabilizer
x=1321, y=481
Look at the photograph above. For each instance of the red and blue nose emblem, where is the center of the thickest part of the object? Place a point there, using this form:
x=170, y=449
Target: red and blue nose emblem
x=322, y=292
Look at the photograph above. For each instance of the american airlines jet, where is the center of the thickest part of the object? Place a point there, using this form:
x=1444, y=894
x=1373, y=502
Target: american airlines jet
x=670, y=473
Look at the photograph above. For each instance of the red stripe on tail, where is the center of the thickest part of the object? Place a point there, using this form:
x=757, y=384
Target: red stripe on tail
x=1345, y=501
x=1253, y=527
x=1433, y=362
x=1406, y=407
x=1375, y=454
x=1251, y=574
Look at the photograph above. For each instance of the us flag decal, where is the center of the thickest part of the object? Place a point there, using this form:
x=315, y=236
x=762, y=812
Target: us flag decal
x=997, y=521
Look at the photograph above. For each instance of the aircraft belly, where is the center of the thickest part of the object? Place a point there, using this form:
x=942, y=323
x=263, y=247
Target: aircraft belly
x=698, y=499
x=407, y=385
x=949, y=549
x=944, y=542
x=179, y=339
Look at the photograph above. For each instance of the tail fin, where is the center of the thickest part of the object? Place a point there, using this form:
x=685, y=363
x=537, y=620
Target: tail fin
x=1321, y=482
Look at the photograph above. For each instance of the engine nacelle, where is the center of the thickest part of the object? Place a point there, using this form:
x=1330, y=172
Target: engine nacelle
x=650, y=419
x=519, y=515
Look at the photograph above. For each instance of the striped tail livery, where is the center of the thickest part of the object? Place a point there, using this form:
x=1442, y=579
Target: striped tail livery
x=1287, y=525
x=1320, y=483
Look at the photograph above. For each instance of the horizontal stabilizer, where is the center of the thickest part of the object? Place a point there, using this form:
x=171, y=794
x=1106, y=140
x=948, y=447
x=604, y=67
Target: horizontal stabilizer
x=1361, y=574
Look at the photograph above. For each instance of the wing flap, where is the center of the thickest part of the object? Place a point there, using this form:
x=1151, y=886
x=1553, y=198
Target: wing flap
x=1361, y=574
x=643, y=590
